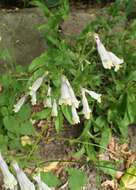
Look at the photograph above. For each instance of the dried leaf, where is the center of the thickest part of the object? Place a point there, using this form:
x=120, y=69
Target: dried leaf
x=51, y=167
x=110, y=183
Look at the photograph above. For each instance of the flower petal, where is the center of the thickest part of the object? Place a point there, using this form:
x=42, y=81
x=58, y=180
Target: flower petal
x=86, y=109
x=65, y=95
x=108, y=58
x=54, y=112
x=75, y=116
x=23, y=180
x=94, y=95
x=10, y=181
x=20, y=103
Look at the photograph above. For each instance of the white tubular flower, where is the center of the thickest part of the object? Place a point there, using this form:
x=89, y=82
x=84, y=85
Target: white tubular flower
x=49, y=91
x=109, y=59
x=33, y=89
x=94, y=95
x=48, y=101
x=41, y=184
x=86, y=109
x=116, y=61
x=36, y=85
x=33, y=98
x=54, y=112
x=74, y=100
x=75, y=116
x=23, y=180
x=10, y=181
x=19, y=104
x=65, y=94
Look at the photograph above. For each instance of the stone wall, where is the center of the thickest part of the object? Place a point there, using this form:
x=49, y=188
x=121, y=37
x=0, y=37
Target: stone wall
x=19, y=33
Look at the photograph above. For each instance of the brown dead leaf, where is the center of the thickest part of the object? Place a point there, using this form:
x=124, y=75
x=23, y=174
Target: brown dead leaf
x=51, y=167
x=112, y=145
x=131, y=160
x=118, y=175
x=110, y=184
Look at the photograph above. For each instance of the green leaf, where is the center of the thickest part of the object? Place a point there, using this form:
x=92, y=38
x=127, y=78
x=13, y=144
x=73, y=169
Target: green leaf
x=77, y=179
x=132, y=76
x=17, y=126
x=59, y=122
x=128, y=181
x=26, y=128
x=38, y=62
x=80, y=152
x=44, y=114
x=3, y=142
x=123, y=125
x=15, y=144
x=52, y=3
x=105, y=138
x=4, y=111
x=100, y=122
x=42, y=6
x=24, y=113
x=67, y=113
x=50, y=179
x=107, y=168
x=11, y=124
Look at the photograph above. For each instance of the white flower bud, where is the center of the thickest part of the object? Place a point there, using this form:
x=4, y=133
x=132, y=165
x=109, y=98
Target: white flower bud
x=19, y=104
x=23, y=180
x=75, y=116
x=36, y=85
x=86, y=109
x=33, y=97
x=48, y=101
x=9, y=180
x=54, y=112
x=33, y=89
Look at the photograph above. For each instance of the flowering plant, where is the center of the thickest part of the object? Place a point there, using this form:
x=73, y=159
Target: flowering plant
x=89, y=82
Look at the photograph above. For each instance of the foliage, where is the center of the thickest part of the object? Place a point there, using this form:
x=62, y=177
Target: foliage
x=77, y=179
x=80, y=63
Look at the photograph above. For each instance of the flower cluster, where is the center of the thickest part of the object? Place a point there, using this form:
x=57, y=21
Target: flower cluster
x=67, y=96
x=11, y=183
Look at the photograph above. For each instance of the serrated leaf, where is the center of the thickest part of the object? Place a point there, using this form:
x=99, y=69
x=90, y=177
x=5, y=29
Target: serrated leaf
x=77, y=179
